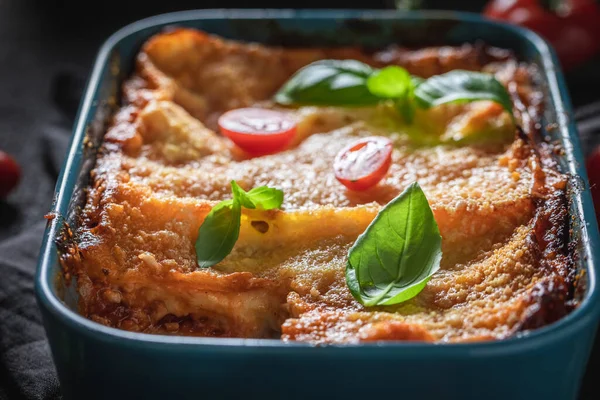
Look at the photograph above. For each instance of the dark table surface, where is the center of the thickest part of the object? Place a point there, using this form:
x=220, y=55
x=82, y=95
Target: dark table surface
x=46, y=51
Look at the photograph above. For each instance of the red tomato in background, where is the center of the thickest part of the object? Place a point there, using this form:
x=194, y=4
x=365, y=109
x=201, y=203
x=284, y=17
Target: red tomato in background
x=363, y=163
x=258, y=131
x=593, y=169
x=10, y=174
x=571, y=26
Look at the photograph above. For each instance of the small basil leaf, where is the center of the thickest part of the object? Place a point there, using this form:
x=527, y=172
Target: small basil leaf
x=265, y=197
x=461, y=86
x=218, y=233
x=329, y=83
x=391, y=83
x=394, y=258
x=240, y=195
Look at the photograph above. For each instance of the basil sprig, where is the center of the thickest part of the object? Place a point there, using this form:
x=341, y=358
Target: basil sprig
x=394, y=258
x=221, y=227
x=353, y=83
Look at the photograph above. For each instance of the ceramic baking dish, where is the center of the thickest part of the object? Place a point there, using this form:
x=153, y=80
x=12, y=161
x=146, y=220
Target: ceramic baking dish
x=98, y=362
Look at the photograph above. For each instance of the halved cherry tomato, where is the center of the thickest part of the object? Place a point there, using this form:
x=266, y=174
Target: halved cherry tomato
x=258, y=131
x=363, y=163
x=10, y=174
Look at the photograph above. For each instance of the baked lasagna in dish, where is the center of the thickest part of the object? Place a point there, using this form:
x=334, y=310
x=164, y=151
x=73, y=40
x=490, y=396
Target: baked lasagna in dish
x=332, y=195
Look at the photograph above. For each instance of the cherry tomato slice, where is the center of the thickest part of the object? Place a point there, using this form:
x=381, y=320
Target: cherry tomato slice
x=258, y=131
x=10, y=174
x=364, y=163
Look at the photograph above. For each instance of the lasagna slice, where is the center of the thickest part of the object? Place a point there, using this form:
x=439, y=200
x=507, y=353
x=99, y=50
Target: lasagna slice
x=499, y=203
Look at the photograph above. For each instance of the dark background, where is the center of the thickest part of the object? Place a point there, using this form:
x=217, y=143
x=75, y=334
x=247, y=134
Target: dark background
x=46, y=51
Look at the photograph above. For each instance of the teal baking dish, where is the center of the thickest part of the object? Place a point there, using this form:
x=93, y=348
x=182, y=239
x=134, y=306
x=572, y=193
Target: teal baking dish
x=97, y=362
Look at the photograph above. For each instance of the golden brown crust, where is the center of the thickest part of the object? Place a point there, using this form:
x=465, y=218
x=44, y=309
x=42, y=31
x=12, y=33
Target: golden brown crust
x=500, y=206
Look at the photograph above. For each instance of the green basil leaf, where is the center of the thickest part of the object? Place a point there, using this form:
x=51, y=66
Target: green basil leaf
x=266, y=198
x=394, y=258
x=240, y=195
x=262, y=197
x=461, y=86
x=329, y=83
x=391, y=83
x=395, y=83
x=218, y=233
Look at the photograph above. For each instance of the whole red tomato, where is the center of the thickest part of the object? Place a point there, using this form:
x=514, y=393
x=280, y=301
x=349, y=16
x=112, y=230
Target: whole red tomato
x=10, y=174
x=571, y=26
x=593, y=169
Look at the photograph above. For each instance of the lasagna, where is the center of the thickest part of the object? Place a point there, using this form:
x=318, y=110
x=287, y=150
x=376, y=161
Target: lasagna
x=495, y=191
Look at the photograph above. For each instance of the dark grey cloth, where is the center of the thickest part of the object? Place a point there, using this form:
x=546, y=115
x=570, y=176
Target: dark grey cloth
x=26, y=366
x=46, y=52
